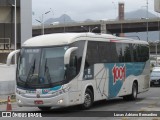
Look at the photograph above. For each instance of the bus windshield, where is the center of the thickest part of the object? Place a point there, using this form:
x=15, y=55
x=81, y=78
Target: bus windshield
x=41, y=67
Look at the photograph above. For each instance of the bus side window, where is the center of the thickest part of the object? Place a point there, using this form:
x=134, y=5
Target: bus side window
x=119, y=52
x=92, y=57
x=135, y=53
x=126, y=52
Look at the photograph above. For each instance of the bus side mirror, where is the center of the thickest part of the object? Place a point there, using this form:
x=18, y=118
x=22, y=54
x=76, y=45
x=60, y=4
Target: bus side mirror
x=68, y=54
x=11, y=54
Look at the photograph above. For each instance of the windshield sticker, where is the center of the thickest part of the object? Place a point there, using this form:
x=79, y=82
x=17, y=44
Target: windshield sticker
x=32, y=50
x=88, y=73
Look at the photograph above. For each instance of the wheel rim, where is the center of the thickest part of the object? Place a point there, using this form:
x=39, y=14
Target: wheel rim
x=87, y=100
x=135, y=92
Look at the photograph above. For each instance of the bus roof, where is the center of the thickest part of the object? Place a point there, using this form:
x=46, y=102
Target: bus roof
x=67, y=38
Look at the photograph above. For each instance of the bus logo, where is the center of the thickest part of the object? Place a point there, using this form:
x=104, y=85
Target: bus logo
x=45, y=91
x=119, y=73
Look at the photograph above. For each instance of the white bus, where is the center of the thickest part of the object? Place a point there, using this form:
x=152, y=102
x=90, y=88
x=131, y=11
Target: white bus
x=66, y=69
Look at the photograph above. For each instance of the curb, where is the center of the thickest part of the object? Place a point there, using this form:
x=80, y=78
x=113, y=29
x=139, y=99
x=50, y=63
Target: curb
x=4, y=101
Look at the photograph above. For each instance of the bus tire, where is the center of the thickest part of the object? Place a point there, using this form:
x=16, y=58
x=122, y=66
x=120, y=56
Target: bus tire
x=44, y=108
x=134, y=93
x=88, y=99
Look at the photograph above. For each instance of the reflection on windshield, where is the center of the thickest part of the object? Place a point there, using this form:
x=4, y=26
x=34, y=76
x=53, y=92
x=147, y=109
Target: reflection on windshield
x=52, y=64
x=41, y=67
x=28, y=64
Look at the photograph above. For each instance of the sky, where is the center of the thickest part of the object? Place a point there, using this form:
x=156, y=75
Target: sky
x=80, y=10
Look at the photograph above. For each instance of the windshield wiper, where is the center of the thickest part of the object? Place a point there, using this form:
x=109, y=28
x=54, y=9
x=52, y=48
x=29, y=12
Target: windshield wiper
x=48, y=73
x=31, y=71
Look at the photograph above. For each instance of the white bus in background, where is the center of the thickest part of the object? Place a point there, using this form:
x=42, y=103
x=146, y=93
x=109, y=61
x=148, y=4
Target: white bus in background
x=68, y=69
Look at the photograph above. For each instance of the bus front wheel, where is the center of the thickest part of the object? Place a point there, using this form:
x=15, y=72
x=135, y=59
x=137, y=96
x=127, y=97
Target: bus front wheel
x=88, y=99
x=134, y=93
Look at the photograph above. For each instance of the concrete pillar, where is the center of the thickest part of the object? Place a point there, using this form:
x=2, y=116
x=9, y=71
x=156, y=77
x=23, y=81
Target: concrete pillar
x=121, y=16
x=103, y=27
x=26, y=20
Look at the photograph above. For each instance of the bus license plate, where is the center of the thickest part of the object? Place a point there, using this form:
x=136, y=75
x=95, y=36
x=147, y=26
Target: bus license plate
x=38, y=102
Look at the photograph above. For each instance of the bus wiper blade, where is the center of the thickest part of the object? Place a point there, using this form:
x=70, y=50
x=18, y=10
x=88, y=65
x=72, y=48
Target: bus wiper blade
x=48, y=73
x=31, y=70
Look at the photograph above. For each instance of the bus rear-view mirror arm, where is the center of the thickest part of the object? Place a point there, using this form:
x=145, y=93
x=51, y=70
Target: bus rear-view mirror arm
x=11, y=54
x=68, y=54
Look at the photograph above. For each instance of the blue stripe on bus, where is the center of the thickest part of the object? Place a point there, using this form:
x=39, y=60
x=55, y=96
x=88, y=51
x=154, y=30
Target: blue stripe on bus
x=45, y=91
x=135, y=69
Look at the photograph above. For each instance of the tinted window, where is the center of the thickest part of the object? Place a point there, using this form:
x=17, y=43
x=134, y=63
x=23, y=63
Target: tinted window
x=126, y=52
x=75, y=60
x=104, y=52
x=140, y=53
x=135, y=53
x=92, y=55
x=114, y=55
x=110, y=52
x=120, y=54
x=144, y=53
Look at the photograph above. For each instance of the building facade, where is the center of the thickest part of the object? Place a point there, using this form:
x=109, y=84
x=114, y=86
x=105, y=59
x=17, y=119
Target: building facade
x=7, y=25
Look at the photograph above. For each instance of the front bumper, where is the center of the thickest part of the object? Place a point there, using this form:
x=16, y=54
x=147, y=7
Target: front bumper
x=61, y=100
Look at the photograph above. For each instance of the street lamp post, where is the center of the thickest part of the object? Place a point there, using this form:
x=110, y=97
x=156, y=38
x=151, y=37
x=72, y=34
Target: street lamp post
x=156, y=44
x=85, y=28
x=147, y=20
x=42, y=24
x=147, y=17
x=64, y=22
x=158, y=26
x=94, y=29
x=159, y=29
x=156, y=54
x=89, y=30
x=15, y=28
x=42, y=21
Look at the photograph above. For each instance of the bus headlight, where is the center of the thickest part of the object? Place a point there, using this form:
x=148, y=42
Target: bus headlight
x=60, y=101
x=19, y=101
